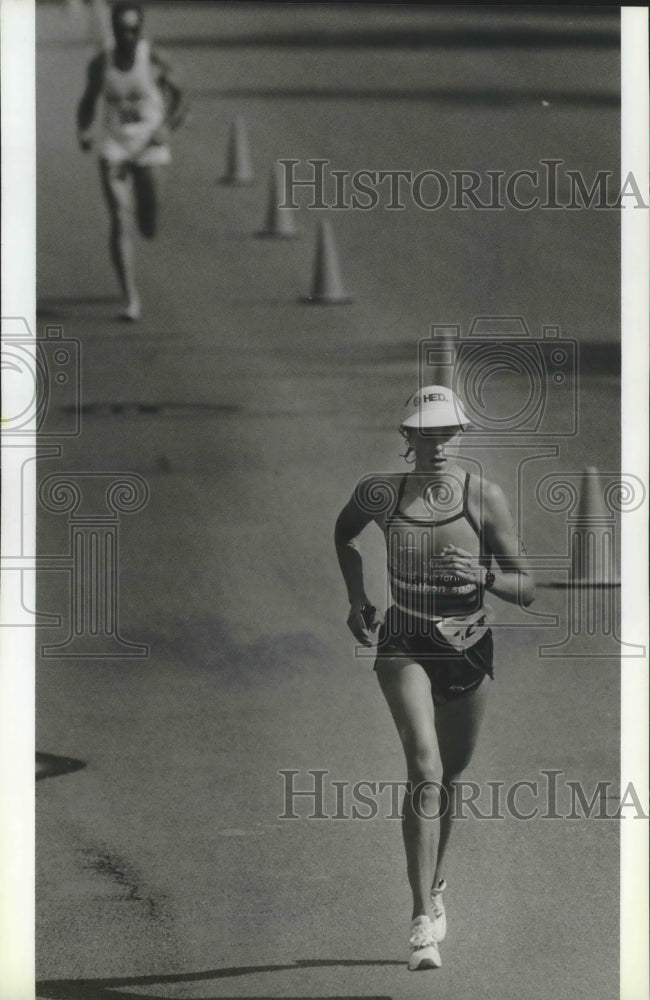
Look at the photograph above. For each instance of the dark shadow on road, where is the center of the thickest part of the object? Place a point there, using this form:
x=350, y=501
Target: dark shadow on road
x=487, y=97
x=103, y=989
x=49, y=766
x=49, y=314
x=105, y=409
x=496, y=36
x=78, y=300
x=208, y=642
x=596, y=357
x=499, y=36
x=55, y=308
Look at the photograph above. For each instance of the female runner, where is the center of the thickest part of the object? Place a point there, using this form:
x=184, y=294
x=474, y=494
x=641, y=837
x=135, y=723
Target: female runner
x=450, y=538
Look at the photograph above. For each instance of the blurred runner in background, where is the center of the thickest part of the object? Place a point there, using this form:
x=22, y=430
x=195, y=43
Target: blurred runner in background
x=142, y=101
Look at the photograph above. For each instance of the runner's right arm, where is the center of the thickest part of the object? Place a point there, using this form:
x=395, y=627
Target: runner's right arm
x=349, y=525
x=89, y=98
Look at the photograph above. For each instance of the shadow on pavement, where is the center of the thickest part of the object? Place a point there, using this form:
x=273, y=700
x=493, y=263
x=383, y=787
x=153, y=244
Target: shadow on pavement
x=55, y=308
x=487, y=97
x=605, y=37
x=208, y=641
x=102, y=989
x=501, y=36
x=48, y=765
x=103, y=409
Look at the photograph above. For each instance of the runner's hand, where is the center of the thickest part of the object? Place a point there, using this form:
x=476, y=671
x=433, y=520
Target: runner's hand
x=160, y=136
x=462, y=563
x=362, y=620
x=85, y=141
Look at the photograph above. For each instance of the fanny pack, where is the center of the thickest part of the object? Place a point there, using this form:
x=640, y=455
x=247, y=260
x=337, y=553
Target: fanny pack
x=463, y=631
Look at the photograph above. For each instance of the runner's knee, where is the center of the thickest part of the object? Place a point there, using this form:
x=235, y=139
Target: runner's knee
x=423, y=766
x=121, y=224
x=426, y=793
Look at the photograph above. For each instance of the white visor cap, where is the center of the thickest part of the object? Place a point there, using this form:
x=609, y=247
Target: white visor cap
x=434, y=406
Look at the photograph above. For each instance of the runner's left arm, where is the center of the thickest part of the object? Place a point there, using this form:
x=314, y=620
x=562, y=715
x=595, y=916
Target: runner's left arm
x=513, y=578
x=172, y=88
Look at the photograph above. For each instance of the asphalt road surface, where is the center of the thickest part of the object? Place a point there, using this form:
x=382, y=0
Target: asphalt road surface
x=164, y=869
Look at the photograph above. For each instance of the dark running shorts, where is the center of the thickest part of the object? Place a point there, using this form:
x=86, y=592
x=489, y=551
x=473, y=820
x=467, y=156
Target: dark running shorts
x=453, y=674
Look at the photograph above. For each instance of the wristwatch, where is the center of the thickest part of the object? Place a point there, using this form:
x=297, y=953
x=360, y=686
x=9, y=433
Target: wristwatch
x=489, y=579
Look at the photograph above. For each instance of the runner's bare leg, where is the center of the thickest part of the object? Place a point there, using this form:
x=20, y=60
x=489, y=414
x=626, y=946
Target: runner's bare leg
x=457, y=725
x=146, y=187
x=116, y=185
x=407, y=690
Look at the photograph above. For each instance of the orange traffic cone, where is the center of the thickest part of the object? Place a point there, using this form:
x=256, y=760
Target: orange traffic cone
x=593, y=537
x=239, y=169
x=327, y=287
x=280, y=222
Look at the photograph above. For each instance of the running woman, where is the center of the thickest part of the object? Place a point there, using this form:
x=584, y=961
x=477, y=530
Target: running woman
x=142, y=102
x=450, y=539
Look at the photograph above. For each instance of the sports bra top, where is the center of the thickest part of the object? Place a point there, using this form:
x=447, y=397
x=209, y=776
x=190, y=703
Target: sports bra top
x=419, y=584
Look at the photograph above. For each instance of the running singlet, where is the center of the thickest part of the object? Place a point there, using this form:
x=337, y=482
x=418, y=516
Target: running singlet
x=134, y=108
x=420, y=586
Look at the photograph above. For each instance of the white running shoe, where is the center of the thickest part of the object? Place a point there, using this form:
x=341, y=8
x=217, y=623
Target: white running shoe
x=132, y=312
x=424, y=952
x=439, y=915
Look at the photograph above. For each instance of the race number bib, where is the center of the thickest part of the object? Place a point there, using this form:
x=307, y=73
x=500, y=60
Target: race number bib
x=129, y=114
